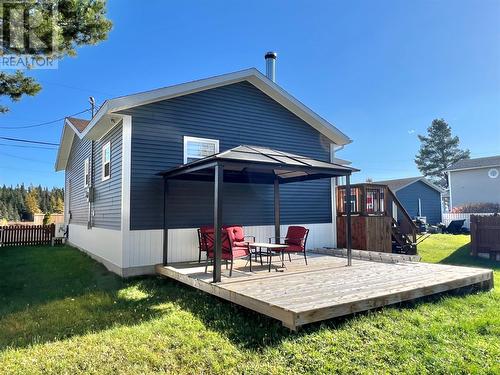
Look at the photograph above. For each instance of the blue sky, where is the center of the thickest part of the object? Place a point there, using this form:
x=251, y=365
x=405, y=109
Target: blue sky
x=380, y=71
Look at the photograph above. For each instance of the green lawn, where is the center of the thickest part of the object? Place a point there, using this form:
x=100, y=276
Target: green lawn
x=61, y=312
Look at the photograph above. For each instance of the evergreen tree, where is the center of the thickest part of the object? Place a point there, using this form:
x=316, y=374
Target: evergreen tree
x=32, y=202
x=438, y=150
x=78, y=23
x=16, y=201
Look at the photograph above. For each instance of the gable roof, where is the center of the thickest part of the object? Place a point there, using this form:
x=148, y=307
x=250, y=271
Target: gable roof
x=78, y=123
x=490, y=161
x=400, y=183
x=72, y=126
x=251, y=75
x=108, y=114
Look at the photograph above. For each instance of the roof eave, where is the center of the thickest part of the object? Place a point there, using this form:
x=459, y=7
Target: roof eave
x=469, y=168
x=251, y=75
x=67, y=137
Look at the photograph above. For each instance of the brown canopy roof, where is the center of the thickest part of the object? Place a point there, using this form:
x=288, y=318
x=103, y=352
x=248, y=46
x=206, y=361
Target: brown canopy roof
x=257, y=164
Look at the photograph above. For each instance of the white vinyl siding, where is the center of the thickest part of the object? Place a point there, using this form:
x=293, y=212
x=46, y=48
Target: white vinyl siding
x=199, y=148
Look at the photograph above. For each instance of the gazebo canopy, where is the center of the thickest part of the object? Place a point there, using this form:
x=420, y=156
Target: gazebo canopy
x=255, y=164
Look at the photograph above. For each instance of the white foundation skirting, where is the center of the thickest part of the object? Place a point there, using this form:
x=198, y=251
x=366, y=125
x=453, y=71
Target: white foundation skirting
x=105, y=244
x=183, y=243
x=134, y=252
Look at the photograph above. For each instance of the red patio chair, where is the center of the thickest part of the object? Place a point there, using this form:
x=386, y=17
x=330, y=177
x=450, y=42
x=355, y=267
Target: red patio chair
x=296, y=238
x=202, y=245
x=234, y=246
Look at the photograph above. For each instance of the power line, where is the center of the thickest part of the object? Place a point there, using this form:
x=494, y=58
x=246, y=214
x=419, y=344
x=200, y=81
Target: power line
x=28, y=146
x=23, y=158
x=42, y=123
x=27, y=170
x=29, y=141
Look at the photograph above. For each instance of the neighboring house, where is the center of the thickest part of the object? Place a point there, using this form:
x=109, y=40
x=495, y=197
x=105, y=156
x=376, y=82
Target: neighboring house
x=474, y=181
x=115, y=199
x=418, y=196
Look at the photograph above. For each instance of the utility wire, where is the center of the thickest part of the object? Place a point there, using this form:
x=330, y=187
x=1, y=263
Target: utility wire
x=29, y=141
x=27, y=159
x=42, y=123
x=28, y=146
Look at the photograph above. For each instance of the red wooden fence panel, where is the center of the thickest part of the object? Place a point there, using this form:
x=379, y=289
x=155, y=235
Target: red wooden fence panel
x=26, y=235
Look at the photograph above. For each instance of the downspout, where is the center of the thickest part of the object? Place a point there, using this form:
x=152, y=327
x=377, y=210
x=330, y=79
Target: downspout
x=90, y=197
x=91, y=185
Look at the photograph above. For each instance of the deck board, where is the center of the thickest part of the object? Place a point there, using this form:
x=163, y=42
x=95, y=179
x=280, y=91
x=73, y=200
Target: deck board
x=327, y=288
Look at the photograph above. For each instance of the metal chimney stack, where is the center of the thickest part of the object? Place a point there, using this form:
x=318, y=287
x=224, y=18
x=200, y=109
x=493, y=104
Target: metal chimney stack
x=271, y=65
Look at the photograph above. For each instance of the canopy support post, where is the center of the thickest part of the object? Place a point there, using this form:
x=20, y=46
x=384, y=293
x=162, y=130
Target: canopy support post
x=277, y=223
x=348, y=218
x=218, y=185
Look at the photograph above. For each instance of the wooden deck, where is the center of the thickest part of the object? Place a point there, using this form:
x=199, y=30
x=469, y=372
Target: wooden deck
x=326, y=288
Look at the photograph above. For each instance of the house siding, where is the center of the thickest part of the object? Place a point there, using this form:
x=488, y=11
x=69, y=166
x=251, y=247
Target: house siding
x=107, y=204
x=474, y=186
x=429, y=197
x=234, y=114
x=76, y=202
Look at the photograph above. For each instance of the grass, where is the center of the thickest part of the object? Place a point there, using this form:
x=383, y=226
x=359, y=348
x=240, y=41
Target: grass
x=61, y=312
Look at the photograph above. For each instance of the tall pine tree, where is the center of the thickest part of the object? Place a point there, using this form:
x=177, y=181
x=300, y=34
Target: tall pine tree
x=77, y=23
x=438, y=150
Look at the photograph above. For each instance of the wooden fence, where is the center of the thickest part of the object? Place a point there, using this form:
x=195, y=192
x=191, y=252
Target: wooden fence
x=27, y=235
x=485, y=236
x=54, y=219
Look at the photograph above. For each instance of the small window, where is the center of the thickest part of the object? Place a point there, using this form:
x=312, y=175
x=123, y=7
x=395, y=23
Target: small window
x=493, y=173
x=106, y=161
x=86, y=173
x=199, y=148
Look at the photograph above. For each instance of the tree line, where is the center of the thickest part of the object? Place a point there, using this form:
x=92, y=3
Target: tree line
x=18, y=203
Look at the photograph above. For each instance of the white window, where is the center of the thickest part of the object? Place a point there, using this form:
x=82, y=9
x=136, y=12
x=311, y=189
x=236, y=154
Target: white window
x=86, y=173
x=198, y=148
x=493, y=173
x=106, y=161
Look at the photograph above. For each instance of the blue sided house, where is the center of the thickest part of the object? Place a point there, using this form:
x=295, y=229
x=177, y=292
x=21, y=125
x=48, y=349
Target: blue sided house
x=419, y=197
x=121, y=211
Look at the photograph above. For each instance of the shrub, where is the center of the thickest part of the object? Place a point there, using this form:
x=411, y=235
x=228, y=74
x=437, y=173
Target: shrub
x=46, y=219
x=474, y=208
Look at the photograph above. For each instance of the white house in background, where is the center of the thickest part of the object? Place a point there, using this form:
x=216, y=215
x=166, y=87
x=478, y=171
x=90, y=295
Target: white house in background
x=474, y=181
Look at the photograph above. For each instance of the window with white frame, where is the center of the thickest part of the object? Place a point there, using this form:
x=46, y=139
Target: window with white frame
x=106, y=161
x=86, y=173
x=198, y=148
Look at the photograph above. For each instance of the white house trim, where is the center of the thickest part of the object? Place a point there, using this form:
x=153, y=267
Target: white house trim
x=106, y=117
x=478, y=167
x=196, y=139
x=107, y=145
x=450, y=203
x=65, y=143
x=126, y=178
